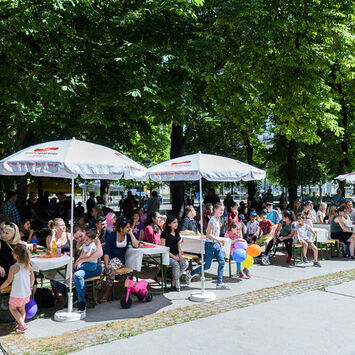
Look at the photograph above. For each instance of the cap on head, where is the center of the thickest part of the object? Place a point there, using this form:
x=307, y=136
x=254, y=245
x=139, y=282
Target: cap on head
x=269, y=204
x=253, y=214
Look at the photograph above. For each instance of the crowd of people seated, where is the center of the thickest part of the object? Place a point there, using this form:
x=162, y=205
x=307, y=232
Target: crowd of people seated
x=102, y=236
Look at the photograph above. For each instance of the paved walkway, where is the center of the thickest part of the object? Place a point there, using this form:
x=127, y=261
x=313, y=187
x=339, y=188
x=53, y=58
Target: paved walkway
x=308, y=323
x=107, y=323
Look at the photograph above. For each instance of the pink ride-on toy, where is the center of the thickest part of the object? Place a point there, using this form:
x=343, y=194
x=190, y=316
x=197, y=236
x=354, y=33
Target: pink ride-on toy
x=139, y=289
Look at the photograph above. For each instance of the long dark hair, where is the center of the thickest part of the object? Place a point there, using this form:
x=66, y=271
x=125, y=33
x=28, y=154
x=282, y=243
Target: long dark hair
x=149, y=221
x=169, y=220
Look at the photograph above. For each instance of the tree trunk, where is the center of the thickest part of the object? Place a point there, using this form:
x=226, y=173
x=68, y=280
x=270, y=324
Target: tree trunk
x=251, y=185
x=292, y=171
x=179, y=140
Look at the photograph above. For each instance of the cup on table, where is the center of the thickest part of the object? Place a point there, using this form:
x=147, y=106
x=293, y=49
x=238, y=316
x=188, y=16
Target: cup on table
x=30, y=247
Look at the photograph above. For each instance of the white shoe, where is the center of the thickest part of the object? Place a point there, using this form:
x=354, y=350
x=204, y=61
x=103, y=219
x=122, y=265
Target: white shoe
x=188, y=277
x=223, y=287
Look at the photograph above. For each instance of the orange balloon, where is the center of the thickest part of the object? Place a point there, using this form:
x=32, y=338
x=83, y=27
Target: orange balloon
x=253, y=250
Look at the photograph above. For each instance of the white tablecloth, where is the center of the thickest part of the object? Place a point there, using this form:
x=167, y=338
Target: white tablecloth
x=134, y=256
x=322, y=234
x=44, y=264
x=192, y=244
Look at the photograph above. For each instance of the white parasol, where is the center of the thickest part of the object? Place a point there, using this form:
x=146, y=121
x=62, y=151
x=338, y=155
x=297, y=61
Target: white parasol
x=210, y=167
x=69, y=159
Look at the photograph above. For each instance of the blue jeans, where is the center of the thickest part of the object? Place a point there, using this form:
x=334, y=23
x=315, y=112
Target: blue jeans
x=212, y=250
x=79, y=280
x=87, y=267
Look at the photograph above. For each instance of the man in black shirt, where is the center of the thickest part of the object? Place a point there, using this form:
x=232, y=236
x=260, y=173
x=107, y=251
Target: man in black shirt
x=211, y=198
x=101, y=229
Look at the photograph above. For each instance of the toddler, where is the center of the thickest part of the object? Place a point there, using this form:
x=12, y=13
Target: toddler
x=88, y=248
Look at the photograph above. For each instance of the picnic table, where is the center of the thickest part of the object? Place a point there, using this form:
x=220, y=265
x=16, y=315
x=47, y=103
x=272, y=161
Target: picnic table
x=192, y=244
x=51, y=267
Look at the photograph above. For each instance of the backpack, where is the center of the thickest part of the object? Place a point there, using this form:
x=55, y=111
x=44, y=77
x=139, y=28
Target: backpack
x=44, y=298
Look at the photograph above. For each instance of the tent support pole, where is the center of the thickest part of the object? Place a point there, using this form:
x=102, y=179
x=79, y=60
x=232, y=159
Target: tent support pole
x=202, y=245
x=70, y=295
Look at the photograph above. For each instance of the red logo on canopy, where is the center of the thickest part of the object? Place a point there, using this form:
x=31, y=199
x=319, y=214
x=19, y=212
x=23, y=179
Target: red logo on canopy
x=181, y=162
x=118, y=154
x=45, y=149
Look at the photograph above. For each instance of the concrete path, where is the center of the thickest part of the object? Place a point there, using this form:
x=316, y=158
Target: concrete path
x=262, y=277
x=311, y=323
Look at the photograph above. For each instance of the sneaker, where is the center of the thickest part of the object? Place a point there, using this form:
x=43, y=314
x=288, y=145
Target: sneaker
x=305, y=260
x=81, y=306
x=247, y=273
x=188, y=277
x=240, y=274
x=316, y=263
x=223, y=287
x=265, y=260
x=21, y=328
x=288, y=260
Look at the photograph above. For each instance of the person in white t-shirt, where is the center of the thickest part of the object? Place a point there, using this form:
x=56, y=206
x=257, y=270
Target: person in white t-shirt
x=306, y=236
x=253, y=229
x=321, y=213
x=350, y=211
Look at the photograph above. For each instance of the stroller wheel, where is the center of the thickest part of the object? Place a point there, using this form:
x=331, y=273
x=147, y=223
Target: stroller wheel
x=140, y=297
x=148, y=297
x=125, y=304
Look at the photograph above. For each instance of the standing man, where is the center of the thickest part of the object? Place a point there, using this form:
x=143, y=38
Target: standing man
x=91, y=202
x=272, y=214
x=11, y=213
x=153, y=203
x=211, y=198
x=228, y=202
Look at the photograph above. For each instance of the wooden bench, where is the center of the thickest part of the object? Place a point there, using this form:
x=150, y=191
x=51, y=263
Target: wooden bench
x=190, y=258
x=328, y=245
x=295, y=247
x=123, y=271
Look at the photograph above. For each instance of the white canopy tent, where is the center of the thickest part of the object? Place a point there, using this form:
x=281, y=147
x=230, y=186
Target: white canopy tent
x=348, y=178
x=212, y=168
x=69, y=159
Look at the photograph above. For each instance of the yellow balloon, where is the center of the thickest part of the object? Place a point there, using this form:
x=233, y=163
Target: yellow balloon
x=248, y=262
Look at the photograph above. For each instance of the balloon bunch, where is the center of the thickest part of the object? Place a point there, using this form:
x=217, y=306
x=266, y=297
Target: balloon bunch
x=245, y=254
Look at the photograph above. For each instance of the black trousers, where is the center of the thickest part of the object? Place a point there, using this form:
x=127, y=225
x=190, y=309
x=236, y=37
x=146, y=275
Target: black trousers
x=288, y=245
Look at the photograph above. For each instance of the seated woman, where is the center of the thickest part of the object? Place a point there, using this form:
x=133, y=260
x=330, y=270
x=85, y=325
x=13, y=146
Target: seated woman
x=152, y=230
x=114, y=254
x=26, y=232
x=172, y=239
x=341, y=232
x=81, y=275
x=59, y=234
x=10, y=236
x=284, y=233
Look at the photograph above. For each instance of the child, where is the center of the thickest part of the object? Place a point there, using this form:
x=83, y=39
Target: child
x=233, y=214
x=22, y=279
x=235, y=233
x=302, y=231
x=253, y=228
x=308, y=218
x=212, y=248
x=265, y=226
x=88, y=248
